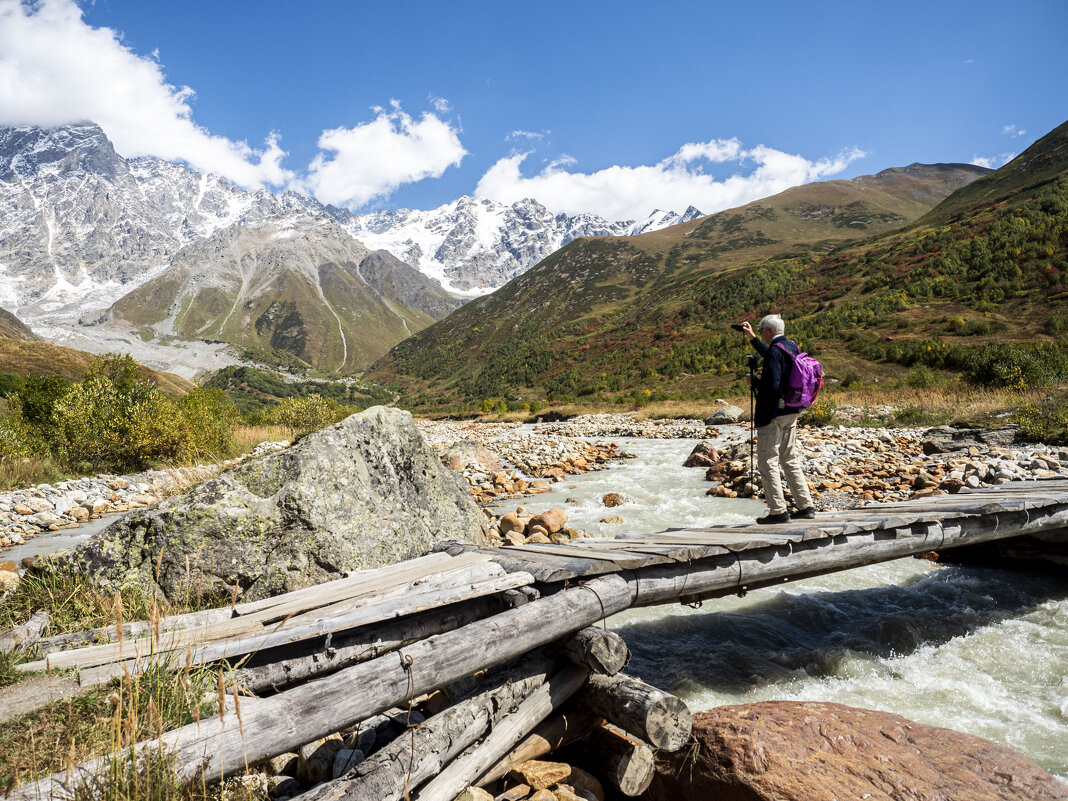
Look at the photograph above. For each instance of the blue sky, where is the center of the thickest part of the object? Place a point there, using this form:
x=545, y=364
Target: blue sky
x=614, y=108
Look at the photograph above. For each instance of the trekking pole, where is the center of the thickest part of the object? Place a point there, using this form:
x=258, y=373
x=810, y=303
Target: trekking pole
x=752, y=430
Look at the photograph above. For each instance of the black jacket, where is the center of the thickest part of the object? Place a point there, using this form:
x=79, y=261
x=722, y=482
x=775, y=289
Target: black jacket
x=774, y=378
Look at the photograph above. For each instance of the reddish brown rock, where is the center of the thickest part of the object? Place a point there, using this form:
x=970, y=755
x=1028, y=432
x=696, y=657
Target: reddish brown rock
x=808, y=751
x=613, y=499
x=703, y=455
x=469, y=453
x=552, y=521
x=541, y=775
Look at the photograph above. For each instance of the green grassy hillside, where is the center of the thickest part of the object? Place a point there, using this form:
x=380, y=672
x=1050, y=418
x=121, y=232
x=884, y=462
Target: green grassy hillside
x=874, y=275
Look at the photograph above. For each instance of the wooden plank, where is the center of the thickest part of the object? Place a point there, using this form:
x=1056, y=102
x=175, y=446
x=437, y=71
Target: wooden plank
x=404, y=574
x=548, y=568
x=352, y=580
x=479, y=571
x=621, y=559
x=249, y=626
x=409, y=604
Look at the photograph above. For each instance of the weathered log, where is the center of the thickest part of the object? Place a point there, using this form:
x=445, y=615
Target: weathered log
x=219, y=747
x=626, y=763
x=412, y=758
x=556, y=732
x=363, y=644
x=601, y=651
x=139, y=628
x=538, y=706
x=23, y=637
x=262, y=630
x=655, y=716
x=357, y=582
x=771, y=565
x=407, y=603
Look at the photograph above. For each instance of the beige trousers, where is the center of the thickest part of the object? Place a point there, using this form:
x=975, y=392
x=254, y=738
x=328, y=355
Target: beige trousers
x=777, y=447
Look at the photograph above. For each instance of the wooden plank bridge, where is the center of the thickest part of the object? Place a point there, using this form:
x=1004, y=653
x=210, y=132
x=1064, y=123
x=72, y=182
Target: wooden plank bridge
x=342, y=652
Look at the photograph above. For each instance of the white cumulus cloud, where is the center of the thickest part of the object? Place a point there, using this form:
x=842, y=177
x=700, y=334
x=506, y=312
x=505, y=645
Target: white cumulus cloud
x=56, y=69
x=374, y=158
x=621, y=192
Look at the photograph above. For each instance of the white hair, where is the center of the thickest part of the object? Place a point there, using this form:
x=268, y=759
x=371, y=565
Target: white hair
x=773, y=323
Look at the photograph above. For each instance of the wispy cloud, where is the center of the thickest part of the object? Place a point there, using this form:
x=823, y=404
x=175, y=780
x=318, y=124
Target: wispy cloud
x=440, y=104
x=374, y=158
x=529, y=135
x=622, y=192
x=1012, y=131
x=993, y=162
x=56, y=69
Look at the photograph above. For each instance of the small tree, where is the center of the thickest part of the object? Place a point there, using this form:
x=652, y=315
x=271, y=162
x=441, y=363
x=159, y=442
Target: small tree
x=302, y=415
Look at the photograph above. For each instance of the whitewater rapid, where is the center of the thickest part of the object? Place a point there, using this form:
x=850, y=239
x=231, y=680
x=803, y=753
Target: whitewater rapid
x=978, y=650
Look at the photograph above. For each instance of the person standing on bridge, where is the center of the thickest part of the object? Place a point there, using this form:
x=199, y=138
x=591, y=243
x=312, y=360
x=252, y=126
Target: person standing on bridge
x=776, y=424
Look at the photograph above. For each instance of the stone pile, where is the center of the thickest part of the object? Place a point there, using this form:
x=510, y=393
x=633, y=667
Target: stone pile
x=539, y=780
x=24, y=514
x=521, y=527
x=499, y=462
x=880, y=465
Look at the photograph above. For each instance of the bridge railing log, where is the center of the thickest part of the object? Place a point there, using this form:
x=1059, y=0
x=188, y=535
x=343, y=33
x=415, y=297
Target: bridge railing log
x=769, y=565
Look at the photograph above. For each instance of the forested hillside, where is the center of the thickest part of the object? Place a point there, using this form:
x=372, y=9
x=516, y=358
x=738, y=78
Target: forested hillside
x=977, y=284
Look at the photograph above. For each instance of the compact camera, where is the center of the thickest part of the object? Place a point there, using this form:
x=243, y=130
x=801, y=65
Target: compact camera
x=737, y=326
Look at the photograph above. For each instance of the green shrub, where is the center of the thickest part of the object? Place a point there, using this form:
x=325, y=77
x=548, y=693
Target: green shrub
x=210, y=418
x=1015, y=366
x=920, y=377
x=100, y=424
x=1046, y=421
x=823, y=412
x=916, y=415
x=302, y=415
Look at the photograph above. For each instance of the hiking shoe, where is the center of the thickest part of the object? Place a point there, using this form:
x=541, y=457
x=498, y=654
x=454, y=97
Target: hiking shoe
x=805, y=514
x=783, y=517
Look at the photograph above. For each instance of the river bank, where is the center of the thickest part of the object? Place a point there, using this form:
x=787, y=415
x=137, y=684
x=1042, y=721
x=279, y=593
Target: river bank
x=978, y=650
x=66, y=505
x=845, y=466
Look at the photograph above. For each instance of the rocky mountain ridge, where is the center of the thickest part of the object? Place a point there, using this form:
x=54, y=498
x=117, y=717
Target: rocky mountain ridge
x=296, y=284
x=80, y=225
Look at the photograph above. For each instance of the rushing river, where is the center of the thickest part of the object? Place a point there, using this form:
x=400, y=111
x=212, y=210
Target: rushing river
x=982, y=651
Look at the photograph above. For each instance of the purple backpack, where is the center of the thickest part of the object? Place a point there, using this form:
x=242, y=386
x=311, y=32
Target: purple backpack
x=806, y=378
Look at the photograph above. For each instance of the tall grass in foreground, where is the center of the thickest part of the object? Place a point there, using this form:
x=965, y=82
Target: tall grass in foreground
x=109, y=722
x=165, y=694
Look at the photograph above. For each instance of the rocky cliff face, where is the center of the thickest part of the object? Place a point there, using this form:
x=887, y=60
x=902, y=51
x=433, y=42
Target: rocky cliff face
x=363, y=493
x=80, y=225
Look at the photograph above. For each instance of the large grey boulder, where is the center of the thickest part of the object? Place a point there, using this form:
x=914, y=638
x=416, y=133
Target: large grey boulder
x=946, y=439
x=364, y=492
x=725, y=415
